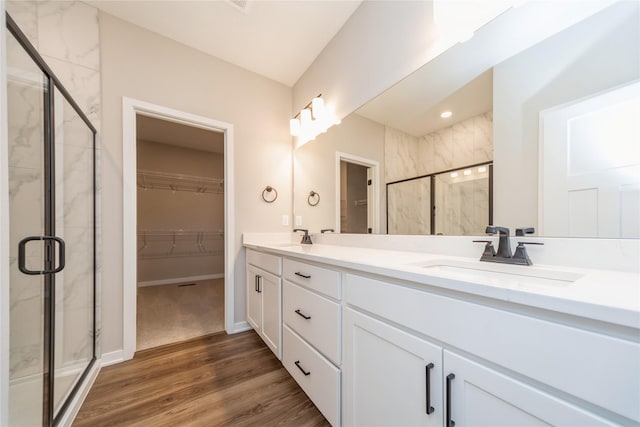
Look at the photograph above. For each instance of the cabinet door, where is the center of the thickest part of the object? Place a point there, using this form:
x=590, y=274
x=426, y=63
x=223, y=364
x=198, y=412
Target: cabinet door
x=390, y=377
x=270, y=287
x=480, y=396
x=254, y=299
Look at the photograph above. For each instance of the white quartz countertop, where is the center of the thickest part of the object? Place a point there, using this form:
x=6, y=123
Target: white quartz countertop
x=606, y=295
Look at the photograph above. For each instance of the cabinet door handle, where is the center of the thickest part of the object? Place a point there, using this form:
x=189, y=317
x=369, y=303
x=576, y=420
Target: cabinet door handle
x=449, y=422
x=259, y=283
x=306, y=373
x=255, y=283
x=427, y=370
x=300, y=314
x=297, y=273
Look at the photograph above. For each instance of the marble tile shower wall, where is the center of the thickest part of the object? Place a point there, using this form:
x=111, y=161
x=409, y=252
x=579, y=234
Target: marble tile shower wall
x=409, y=209
x=466, y=211
x=465, y=143
x=66, y=35
x=406, y=156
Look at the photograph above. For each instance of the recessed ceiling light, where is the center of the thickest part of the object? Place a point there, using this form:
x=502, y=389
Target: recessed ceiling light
x=446, y=114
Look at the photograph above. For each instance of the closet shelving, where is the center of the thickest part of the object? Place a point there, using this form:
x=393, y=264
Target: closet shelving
x=179, y=243
x=155, y=180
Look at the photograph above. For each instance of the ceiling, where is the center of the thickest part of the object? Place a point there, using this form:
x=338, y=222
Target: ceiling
x=172, y=133
x=276, y=39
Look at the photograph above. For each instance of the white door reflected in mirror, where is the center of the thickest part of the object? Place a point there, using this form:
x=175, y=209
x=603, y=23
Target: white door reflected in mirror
x=590, y=166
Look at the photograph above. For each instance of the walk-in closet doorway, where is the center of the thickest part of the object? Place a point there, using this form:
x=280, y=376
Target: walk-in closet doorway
x=178, y=278
x=180, y=232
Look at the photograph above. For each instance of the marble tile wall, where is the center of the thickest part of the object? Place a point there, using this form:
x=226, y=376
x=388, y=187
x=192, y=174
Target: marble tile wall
x=465, y=143
x=66, y=35
x=409, y=206
x=461, y=208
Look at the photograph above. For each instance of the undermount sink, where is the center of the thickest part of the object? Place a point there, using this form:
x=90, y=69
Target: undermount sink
x=500, y=274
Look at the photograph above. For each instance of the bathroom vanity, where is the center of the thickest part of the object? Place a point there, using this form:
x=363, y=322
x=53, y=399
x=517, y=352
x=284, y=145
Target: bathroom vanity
x=389, y=337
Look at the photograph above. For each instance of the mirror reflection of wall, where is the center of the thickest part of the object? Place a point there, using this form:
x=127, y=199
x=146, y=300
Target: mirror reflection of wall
x=497, y=85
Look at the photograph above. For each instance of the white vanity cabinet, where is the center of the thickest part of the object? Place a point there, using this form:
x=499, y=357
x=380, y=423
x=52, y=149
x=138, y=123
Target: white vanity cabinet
x=391, y=378
x=312, y=333
x=491, y=366
x=476, y=395
x=264, y=296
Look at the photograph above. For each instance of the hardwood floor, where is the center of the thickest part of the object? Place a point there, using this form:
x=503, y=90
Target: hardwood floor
x=214, y=380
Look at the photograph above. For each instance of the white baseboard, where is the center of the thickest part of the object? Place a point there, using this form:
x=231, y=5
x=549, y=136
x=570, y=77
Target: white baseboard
x=240, y=327
x=75, y=405
x=180, y=280
x=112, y=358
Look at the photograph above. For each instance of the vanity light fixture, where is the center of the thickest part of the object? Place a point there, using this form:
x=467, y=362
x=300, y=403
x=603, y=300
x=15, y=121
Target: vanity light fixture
x=467, y=172
x=454, y=174
x=314, y=119
x=446, y=114
x=482, y=169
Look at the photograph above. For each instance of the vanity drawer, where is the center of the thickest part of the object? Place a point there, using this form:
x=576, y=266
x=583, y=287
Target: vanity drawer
x=314, y=317
x=267, y=262
x=319, y=379
x=319, y=279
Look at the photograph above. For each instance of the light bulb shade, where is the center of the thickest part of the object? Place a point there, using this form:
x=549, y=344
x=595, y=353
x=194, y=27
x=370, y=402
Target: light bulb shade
x=305, y=117
x=294, y=127
x=317, y=105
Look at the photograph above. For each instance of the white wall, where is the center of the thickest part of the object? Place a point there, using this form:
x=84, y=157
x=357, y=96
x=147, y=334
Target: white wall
x=523, y=88
x=381, y=43
x=315, y=169
x=146, y=66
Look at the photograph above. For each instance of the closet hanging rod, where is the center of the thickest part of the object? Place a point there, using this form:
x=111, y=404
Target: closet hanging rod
x=178, y=176
x=180, y=254
x=178, y=182
x=179, y=232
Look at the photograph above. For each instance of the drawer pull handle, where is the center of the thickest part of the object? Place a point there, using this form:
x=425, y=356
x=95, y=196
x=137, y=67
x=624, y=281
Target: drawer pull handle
x=449, y=422
x=427, y=370
x=306, y=373
x=302, y=315
x=297, y=273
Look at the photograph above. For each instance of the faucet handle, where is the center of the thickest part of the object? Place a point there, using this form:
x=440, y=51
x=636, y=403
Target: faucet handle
x=324, y=230
x=489, y=250
x=521, y=254
x=526, y=230
x=494, y=229
x=306, y=239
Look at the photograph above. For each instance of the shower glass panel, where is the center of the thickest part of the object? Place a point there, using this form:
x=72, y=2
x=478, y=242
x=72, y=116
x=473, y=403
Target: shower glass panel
x=52, y=239
x=462, y=200
x=74, y=223
x=409, y=206
x=27, y=87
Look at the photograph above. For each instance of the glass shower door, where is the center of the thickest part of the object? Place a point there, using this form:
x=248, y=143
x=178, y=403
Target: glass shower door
x=74, y=219
x=52, y=239
x=27, y=88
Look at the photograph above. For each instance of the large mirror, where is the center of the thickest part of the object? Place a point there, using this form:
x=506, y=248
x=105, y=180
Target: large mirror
x=543, y=132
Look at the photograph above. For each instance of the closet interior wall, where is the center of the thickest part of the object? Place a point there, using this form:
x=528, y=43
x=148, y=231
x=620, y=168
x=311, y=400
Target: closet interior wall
x=180, y=214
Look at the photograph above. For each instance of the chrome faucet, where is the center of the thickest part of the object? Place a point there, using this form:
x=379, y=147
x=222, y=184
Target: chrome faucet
x=306, y=239
x=503, y=255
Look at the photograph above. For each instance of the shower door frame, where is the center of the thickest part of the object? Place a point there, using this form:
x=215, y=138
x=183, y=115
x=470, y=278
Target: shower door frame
x=53, y=85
